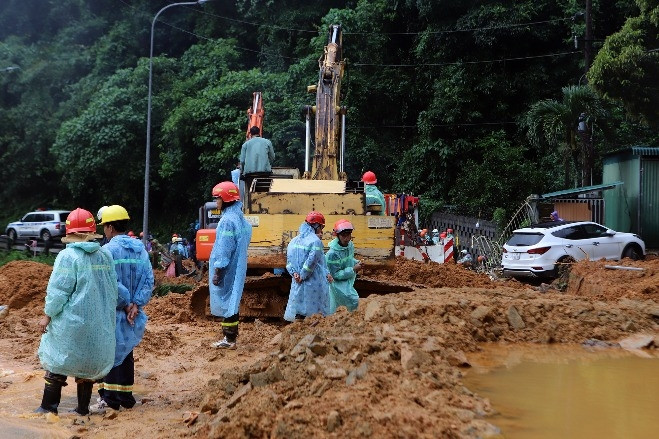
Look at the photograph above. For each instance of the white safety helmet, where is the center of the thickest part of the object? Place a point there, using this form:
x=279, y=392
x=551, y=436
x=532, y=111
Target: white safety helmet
x=99, y=214
x=464, y=252
x=435, y=231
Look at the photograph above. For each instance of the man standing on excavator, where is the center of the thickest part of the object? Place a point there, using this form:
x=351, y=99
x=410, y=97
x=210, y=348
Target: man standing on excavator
x=256, y=157
x=373, y=195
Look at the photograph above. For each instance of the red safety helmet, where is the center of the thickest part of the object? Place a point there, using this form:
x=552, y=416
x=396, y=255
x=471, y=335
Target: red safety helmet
x=449, y=231
x=80, y=220
x=369, y=177
x=227, y=191
x=442, y=235
x=342, y=225
x=314, y=217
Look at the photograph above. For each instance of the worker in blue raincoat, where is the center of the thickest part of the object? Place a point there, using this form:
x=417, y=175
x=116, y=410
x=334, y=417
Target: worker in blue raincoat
x=343, y=267
x=79, y=322
x=135, y=280
x=228, y=262
x=306, y=263
x=373, y=195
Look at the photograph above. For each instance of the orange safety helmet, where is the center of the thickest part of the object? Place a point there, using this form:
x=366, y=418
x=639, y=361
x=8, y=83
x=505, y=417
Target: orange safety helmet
x=369, y=177
x=423, y=232
x=342, y=225
x=314, y=217
x=227, y=191
x=80, y=220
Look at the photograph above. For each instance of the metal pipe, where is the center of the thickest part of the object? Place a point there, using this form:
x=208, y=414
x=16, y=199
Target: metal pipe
x=343, y=139
x=307, y=142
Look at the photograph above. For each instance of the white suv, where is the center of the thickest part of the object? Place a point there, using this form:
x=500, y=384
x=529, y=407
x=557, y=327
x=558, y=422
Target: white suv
x=44, y=224
x=540, y=249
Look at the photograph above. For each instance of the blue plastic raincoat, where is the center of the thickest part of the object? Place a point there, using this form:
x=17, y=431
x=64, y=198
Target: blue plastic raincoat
x=305, y=257
x=229, y=254
x=374, y=196
x=80, y=299
x=340, y=263
x=135, y=279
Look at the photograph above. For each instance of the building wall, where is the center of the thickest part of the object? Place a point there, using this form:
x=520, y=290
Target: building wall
x=649, y=202
x=622, y=201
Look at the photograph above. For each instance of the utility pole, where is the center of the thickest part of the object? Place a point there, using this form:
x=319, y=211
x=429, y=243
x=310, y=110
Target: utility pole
x=588, y=38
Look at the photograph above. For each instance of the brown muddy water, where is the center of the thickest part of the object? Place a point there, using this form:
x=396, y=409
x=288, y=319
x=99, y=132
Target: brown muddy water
x=567, y=392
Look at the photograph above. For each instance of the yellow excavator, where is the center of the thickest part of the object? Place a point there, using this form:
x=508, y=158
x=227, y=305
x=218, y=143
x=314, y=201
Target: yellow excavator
x=276, y=205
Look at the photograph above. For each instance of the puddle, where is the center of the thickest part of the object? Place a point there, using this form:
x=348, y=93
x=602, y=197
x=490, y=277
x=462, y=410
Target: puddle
x=567, y=391
x=21, y=389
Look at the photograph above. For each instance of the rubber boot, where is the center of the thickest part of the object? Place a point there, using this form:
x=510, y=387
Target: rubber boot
x=84, y=391
x=52, y=393
x=230, y=332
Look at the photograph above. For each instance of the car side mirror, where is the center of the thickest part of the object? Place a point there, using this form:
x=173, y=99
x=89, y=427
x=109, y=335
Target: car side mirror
x=610, y=233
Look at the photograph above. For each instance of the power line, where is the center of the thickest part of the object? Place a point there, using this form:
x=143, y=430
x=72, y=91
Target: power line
x=433, y=125
x=465, y=62
x=530, y=23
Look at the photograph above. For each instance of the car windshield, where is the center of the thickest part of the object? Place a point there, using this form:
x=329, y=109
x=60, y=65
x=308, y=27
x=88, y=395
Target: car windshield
x=524, y=239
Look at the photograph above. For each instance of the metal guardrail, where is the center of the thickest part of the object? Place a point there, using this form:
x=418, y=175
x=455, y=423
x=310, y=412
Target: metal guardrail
x=34, y=246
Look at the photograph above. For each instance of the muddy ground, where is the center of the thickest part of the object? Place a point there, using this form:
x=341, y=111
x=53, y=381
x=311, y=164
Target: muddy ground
x=393, y=368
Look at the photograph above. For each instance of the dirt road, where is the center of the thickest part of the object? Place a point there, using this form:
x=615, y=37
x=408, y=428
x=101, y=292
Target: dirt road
x=393, y=368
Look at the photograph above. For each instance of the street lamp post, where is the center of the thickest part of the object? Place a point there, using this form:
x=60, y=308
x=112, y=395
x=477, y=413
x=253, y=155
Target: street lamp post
x=145, y=224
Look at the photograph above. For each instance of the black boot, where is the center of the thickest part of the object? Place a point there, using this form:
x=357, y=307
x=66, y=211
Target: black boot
x=52, y=393
x=84, y=391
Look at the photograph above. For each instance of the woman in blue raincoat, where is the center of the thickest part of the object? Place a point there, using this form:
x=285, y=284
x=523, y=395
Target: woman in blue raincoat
x=343, y=267
x=305, y=262
x=228, y=262
x=79, y=324
x=135, y=280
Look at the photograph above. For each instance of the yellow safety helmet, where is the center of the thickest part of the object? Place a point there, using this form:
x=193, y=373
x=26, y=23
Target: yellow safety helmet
x=113, y=213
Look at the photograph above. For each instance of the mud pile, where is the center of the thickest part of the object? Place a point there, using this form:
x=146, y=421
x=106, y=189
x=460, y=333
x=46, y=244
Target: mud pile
x=593, y=279
x=393, y=366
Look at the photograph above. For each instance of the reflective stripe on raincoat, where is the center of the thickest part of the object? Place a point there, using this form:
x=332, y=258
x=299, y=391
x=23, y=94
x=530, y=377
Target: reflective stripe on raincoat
x=305, y=256
x=374, y=196
x=229, y=254
x=340, y=263
x=80, y=299
x=135, y=279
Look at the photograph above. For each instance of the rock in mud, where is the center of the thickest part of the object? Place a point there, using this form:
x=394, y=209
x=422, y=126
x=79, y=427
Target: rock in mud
x=515, y=319
x=333, y=421
x=637, y=341
x=411, y=357
x=271, y=375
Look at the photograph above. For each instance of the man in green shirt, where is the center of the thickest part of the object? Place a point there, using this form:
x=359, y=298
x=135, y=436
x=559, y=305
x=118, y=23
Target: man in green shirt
x=256, y=157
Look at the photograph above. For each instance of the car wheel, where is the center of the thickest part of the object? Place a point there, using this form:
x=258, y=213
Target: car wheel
x=45, y=235
x=631, y=252
x=11, y=233
x=563, y=265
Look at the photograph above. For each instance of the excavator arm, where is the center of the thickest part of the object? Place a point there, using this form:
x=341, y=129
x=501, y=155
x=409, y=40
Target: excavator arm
x=255, y=114
x=330, y=118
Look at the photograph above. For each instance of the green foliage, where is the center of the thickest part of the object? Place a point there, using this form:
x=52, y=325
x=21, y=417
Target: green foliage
x=627, y=67
x=10, y=256
x=500, y=218
x=164, y=289
x=457, y=102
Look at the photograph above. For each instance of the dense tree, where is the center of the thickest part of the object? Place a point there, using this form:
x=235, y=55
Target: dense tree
x=627, y=67
x=436, y=92
x=554, y=124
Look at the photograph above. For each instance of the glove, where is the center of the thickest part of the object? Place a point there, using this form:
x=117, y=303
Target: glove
x=218, y=277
